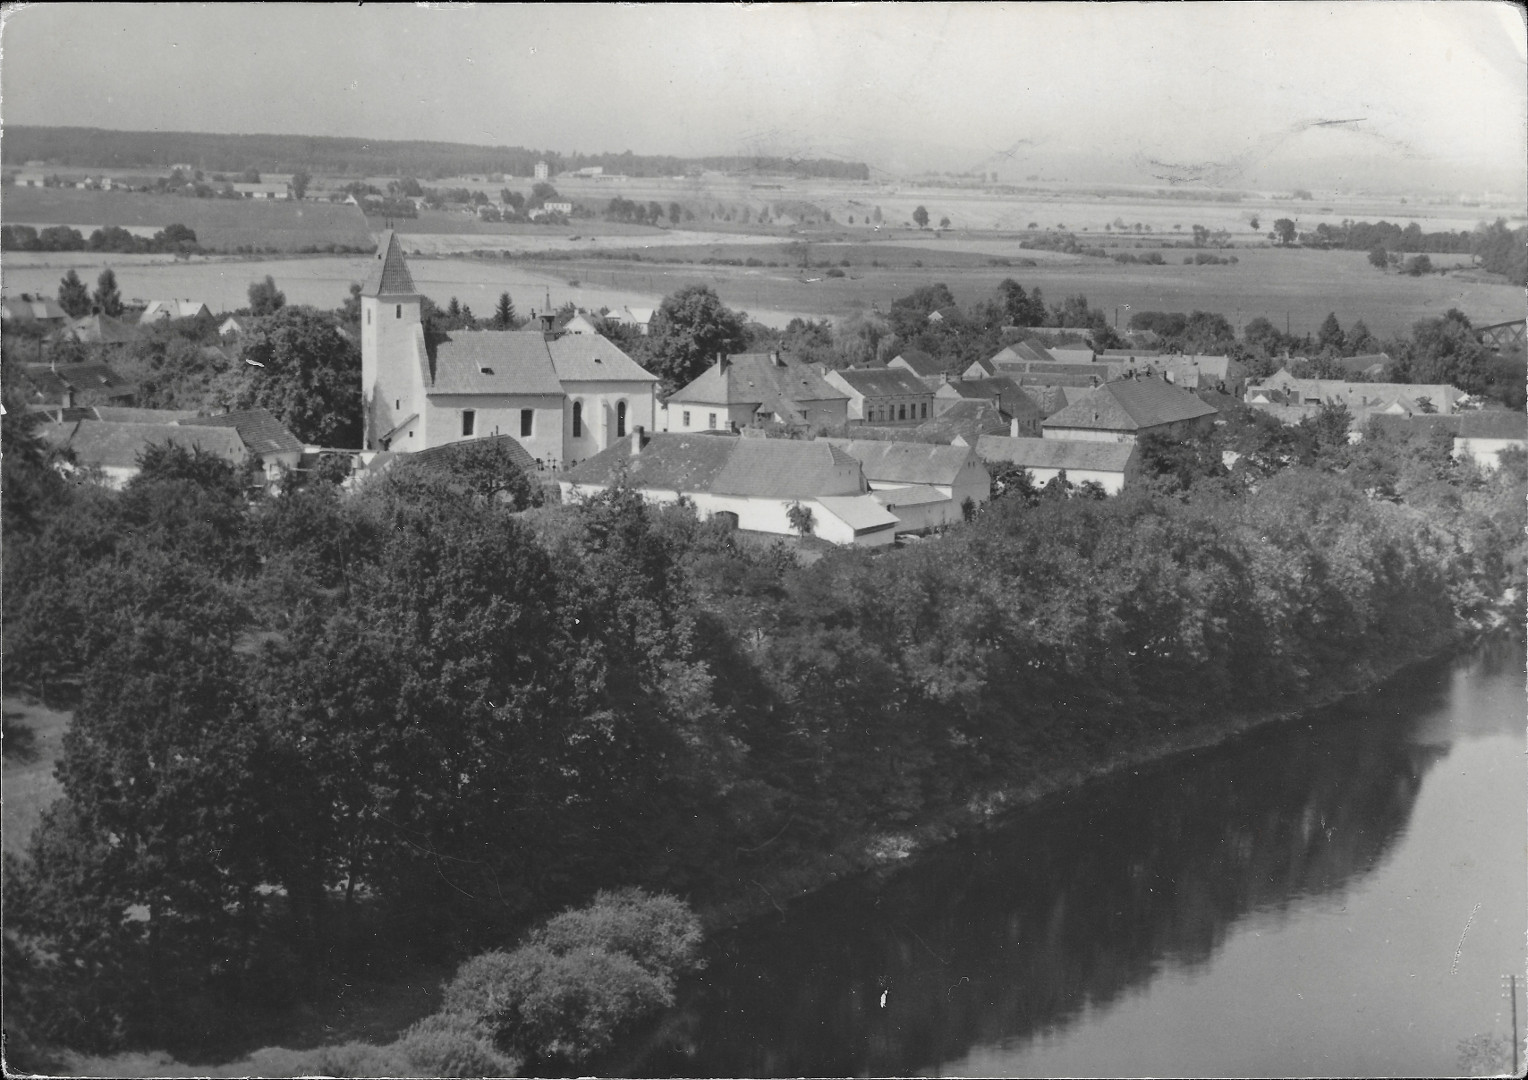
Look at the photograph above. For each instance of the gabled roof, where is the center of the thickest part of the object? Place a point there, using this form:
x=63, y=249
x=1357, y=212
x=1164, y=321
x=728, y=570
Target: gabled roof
x=172, y=309
x=905, y=462
x=389, y=272
x=122, y=414
x=99, y=328
x=726, y=465
x=440, y=457
x=98, y=442
x=1076, y=454
x=886, y=382
x=862, y=513
x=919, y=362
x=1023, y=351
x=494, y=362
x=967, y=419
x=258, y=430
x=27, y=306
x=1131, y=405
x=983, y=389
x=1493, y=424
x=91, y=377
x=756, y=379
x=591, y=358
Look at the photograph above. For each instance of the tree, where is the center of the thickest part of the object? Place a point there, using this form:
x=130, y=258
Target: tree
x=1284, y=229
x=504, y=313
x=800, y=518
x=674, y=213
x=265, y=298
x=1256, y=226
x=300, y=182
x=944, y=223
x=1418, y=265
x=920, y=217
x=691, y=328
x=107, y=298
x=1379, y=258
x=251, y=175
x=1330, y=335
x=73, y=297
x=308, y=375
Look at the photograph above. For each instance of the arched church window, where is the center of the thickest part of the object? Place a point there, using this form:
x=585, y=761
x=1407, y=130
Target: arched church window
x=620, y=419
x=578, y=419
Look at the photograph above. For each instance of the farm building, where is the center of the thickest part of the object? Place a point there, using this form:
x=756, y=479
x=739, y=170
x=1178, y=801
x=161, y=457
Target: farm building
x=923, y=484
x=1124, y=410
x=755, y=484
x=173, y=309
x=1484, y=435
x=1108, y=464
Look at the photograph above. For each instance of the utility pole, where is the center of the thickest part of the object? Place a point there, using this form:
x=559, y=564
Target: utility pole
x=1509, y=987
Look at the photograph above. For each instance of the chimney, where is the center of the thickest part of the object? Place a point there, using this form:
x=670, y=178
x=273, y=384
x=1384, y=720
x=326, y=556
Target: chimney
x=774, y=358
x=638, y=439
x=721, y=363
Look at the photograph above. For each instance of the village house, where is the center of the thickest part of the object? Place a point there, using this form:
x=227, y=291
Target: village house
x=1126, y=409
x=749, y=389
x=260, y=191
x=921, y=364
x=564, y=397
x=885, y=396
x=116, y=448
x=33, y=308
x=268, y=445
x=71, y=385
x=1483, y=436
x=926, y=486
x=96, y=330
x=1190, y=371
x=751, y=483
x=1108, y=464
x=1004, y=393
x=173, y=309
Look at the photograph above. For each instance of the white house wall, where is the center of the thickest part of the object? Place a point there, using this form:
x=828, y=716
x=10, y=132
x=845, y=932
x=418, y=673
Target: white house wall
x=496, y=414
x=753, y=514
x=1111, y=482
x=599, y=415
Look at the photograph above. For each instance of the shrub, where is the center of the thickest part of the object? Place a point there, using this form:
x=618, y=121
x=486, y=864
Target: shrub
x=450, y=1045
x=357, y=1059
x=834, y=271
x=658, y=932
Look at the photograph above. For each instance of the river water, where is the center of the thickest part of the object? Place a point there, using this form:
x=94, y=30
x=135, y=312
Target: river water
x=1335, y=895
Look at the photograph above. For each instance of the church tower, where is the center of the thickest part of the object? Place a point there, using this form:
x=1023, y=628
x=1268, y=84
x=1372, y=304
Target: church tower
x=392, y=344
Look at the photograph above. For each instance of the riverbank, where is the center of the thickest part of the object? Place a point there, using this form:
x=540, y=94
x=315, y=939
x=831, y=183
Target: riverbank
x=881, y=854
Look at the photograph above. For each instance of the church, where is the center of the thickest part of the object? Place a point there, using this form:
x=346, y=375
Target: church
x=564, y=397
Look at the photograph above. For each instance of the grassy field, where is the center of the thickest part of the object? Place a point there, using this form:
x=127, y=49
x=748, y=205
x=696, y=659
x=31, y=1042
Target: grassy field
x=1271, y=282
x=34, y=737
x=223, y=224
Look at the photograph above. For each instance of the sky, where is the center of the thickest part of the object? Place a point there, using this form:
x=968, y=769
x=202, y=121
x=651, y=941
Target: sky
x=1219, y=93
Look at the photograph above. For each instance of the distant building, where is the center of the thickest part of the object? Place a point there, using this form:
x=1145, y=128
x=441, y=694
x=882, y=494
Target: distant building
x=71, y=385
x=31, y=179
x=268, y=445
x=261, y=191
x=173, y=309
x=920, y=364
x=1290, y=399
x=1484, y=435
x=1004, y=393
x=115, y=448
x=543, y=171
x=925, y=485
x=33, y=307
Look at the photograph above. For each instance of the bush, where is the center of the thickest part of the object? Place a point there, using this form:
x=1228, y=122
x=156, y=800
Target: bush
x=835, y=272
x=577, y=981
x=449, y=1045
x=357, y=1059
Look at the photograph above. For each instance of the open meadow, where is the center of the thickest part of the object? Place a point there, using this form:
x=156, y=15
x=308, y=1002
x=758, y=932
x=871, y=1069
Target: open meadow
x=220, y=224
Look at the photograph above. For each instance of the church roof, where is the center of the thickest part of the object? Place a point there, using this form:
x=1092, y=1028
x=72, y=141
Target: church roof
x=390, y=273
x=494, y=362
x=593, y=358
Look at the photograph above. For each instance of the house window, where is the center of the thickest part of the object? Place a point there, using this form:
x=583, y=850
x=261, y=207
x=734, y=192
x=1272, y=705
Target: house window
x=399, y=313
x=397, y=403
x=620, y=419
x=925, y=410
x=368, y=316
x=687, y=418
x=901, y=412
x=469, y=418
x=711, y=421
x=526, y=416
x=578, y=419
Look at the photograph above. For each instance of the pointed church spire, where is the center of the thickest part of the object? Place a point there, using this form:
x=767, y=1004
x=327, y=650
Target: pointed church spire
x=390, y=273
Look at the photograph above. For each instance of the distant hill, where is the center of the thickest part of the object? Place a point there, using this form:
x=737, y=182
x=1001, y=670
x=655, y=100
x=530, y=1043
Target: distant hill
x=97, y=147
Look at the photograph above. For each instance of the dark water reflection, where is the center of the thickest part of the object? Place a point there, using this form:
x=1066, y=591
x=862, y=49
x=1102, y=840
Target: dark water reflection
x=1074, y=903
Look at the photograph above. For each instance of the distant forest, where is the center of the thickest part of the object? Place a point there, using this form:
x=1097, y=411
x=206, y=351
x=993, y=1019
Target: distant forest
x=364, y=157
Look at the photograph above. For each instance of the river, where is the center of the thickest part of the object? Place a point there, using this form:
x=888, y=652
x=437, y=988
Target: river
x=1335, y=895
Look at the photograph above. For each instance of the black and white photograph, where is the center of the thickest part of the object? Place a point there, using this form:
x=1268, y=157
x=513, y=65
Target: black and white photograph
x=764, y=540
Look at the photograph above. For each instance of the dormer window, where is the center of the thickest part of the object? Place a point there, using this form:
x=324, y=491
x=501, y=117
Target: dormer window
x=484, y=369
